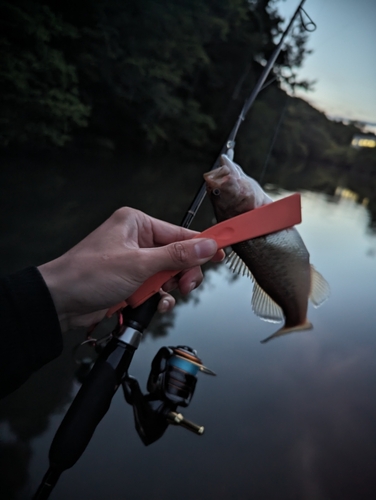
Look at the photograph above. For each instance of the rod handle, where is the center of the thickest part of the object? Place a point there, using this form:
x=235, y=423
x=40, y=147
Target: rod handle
x=86, y=411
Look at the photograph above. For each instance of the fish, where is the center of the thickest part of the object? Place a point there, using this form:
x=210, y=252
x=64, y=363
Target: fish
x=278, y=263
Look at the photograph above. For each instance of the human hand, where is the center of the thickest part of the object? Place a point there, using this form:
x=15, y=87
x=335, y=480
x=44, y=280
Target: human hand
x=112, y=262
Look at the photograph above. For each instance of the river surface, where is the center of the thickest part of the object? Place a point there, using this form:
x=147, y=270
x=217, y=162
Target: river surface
x=293, y=419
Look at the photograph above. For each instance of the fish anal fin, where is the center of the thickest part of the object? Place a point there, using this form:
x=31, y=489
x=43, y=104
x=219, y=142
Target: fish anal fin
x=285, y=331
x=320, y=289
x=262, y=305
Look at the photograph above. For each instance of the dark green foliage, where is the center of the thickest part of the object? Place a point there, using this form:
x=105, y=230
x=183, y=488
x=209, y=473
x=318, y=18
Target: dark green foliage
x=170, y=68
x=308, y=135
x=308, y=130
x=39, y=95
x=146, y=74
x=160, y=72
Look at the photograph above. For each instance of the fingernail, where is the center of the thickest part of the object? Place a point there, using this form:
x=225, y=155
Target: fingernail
x=192, y=286
x=205, y=248
x=165, y=305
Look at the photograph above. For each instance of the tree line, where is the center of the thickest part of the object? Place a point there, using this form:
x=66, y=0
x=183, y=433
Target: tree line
x=159, y=75
x=146, y=69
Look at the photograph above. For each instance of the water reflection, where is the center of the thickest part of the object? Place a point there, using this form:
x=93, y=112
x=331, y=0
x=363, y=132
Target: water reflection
x=291, y=419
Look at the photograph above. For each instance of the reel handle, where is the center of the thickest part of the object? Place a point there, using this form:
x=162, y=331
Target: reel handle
x=175, y=418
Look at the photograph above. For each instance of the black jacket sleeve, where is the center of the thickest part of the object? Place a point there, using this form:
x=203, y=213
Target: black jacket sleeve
x=30, y=334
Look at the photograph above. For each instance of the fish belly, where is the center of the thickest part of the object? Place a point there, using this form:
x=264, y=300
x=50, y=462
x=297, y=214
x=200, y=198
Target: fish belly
x=279, y=262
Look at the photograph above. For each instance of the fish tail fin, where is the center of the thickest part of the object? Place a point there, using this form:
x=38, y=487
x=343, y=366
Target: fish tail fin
x=284, y=331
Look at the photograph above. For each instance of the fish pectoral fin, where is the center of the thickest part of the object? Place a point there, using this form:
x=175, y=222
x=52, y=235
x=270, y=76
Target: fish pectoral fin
x=264, y=307
x=320, y=289
x=285, y=331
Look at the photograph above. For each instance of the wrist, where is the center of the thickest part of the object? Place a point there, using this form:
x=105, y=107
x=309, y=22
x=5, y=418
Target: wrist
x=55, y=276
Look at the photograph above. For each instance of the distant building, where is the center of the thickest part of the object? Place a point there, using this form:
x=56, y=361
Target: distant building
x=363, y=141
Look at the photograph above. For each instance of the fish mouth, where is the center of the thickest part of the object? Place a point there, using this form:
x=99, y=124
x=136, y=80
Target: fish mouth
x=216, y=178
x=217, y=173
x=226, y=171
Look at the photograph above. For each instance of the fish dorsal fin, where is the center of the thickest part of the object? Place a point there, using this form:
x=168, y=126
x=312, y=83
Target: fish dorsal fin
x=320, y=289
x=262, y=305
x=265, y=307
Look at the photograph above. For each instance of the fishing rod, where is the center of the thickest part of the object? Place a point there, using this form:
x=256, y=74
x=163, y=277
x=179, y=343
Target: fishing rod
x=110, y=370
x=228, y=147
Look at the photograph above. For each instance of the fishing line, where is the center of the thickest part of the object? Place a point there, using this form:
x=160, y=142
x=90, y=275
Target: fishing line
x=275, y=135
x=229, y=146
x=310, y=27
x=269, y=82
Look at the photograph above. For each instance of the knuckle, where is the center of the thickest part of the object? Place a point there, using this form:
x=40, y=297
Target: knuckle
x=122, y=214
x=179, y=253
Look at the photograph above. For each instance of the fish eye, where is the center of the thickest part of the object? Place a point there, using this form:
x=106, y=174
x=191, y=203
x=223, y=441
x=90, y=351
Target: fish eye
x=216, y=192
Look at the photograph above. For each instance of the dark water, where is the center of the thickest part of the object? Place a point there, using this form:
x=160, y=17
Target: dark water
x=291, y=419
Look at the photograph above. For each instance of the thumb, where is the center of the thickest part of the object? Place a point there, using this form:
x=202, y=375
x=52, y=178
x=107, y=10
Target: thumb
x=183, y=254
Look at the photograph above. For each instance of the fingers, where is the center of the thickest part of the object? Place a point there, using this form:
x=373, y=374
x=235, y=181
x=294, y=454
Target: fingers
x=179, y=255
x=165, y=233
x=219, y=256
x=186, y=256
x=166, y=303
x=186, y=281
x=84, y=320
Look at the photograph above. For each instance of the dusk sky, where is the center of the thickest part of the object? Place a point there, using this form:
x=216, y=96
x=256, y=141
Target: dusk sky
x=343, y=61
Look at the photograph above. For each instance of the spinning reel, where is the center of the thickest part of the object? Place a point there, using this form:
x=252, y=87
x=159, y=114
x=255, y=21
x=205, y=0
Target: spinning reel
x=171, y=383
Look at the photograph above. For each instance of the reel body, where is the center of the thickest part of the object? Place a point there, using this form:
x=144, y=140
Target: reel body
x=171, y=383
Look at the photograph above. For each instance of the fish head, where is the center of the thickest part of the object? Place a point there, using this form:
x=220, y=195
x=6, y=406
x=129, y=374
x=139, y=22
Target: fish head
x=231, y=191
